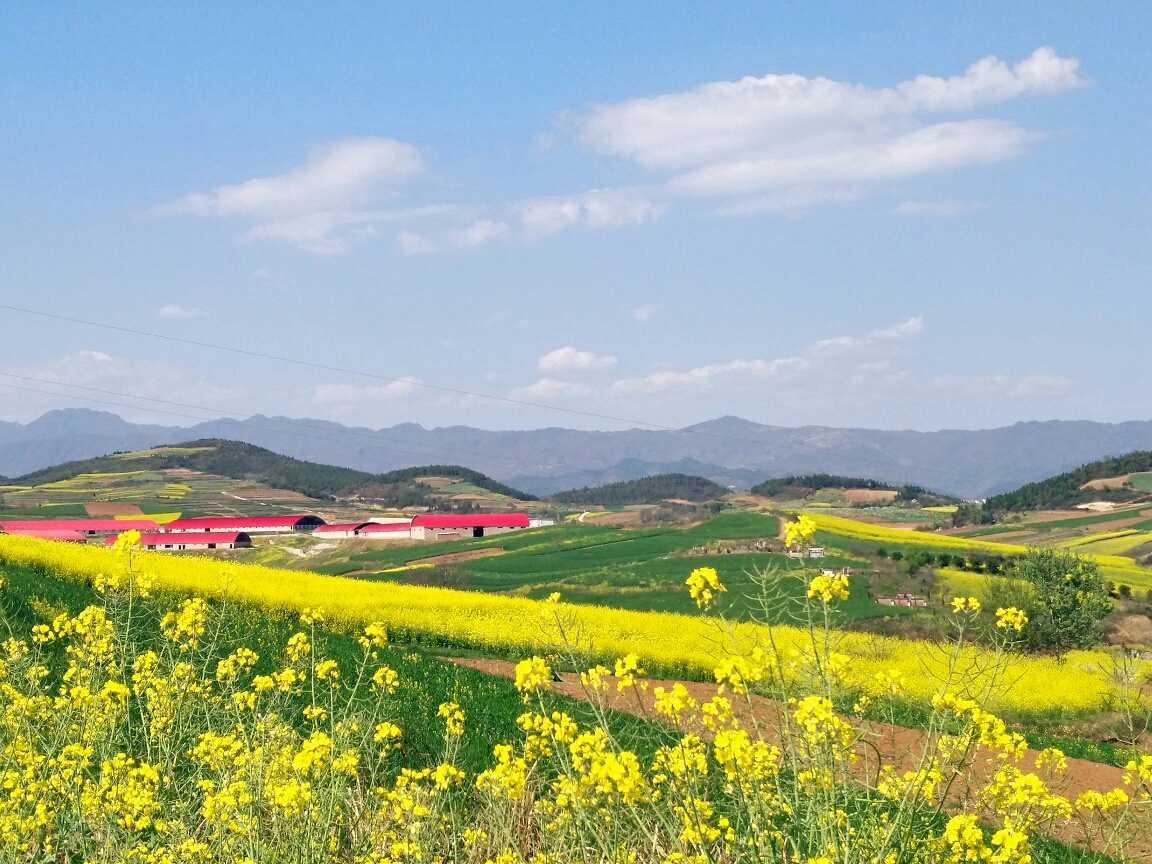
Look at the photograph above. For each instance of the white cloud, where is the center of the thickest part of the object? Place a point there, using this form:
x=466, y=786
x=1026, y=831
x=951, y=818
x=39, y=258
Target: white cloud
x=644, y=313
x=569, y=358
x=481, y=232
x=549, y=389
x=599, y=208
x=178, y=312
x=129, y=385
x=411, y=243
x=789, y=132
x=944, y=207
x=1001, y=386
x=320, y=205
x=835, y=357
x=353, y=394
x=335, y=176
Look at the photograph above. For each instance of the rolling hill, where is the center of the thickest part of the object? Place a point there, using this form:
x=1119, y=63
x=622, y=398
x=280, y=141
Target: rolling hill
x=168, y=473
x=645, y=490
x=971, y=463
x=1070, y=488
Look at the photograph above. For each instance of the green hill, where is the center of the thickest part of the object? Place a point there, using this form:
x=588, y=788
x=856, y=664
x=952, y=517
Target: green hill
x=802, y=486
x=645, y=490
x=239, y=461
x=1066, y=490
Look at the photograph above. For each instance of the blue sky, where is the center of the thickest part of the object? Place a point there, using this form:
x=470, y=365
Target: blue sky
x=846, y=214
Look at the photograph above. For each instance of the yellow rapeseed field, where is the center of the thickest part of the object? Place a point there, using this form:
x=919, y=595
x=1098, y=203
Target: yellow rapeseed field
x=674, y=644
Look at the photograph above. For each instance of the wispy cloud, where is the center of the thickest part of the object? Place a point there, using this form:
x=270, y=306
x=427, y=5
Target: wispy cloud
x=812, y=135
x=944, y=207
x=353, y=394
x=599, y=208
x=178, y=312
x=549, y=389
x=572, y=359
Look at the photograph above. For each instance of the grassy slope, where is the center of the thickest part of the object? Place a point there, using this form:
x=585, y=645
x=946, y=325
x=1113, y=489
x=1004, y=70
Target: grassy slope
x=241, y=461
x=645, y=490
x=1065, y=490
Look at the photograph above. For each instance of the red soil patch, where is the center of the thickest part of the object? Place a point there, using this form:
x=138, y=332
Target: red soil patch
x=112, y=509
x=870, y=496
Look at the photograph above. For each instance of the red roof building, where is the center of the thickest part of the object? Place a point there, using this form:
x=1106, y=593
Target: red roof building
x=249, y=524
x=385, y=531
x=84, y=526
x=65, y=534
x=449, y=526
x=194, y=540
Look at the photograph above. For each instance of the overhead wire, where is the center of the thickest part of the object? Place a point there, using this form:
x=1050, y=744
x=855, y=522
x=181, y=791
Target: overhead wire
x=889, y=463
x=264, y=422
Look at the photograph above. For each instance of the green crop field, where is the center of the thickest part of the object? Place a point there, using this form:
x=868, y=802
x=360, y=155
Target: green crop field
x=1142, y=481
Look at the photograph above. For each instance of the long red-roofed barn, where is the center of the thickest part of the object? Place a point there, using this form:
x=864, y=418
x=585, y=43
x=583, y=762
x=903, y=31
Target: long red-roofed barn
x=66, y=535
x=194, y=540
x=91, y=527
x=391, y=530
x=386, y=531
x=451, y=526
x=247, y=524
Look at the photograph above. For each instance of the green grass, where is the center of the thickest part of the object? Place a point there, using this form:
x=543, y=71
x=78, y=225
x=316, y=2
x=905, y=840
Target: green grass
x=46, y=511
x=1142, y=481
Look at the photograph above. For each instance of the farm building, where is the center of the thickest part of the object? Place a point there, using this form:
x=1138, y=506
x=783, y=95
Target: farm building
x=65, y=534
x=338, y=530
x=247, y=524
x=386, y=531
x=91, y=527
x=437, y=526
x=194, y=540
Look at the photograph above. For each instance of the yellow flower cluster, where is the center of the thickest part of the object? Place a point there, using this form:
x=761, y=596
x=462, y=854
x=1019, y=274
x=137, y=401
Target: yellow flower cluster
x=829, y=588
x=800, y=531
x=703, y=583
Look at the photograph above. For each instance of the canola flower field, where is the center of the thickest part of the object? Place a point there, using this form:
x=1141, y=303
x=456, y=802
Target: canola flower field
x=669, y=644
x=177, y=746
x=1116, y=568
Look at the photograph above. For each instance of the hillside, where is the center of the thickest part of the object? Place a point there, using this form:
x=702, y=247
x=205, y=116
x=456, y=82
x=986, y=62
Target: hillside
x=645, y=490
x=1069, y=489
x=730, y=451
x=173, y=468
x=799, y=487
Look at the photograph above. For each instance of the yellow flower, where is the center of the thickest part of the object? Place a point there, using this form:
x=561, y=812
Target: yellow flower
x=385, y=679
x=702, y=582
x=1011, y=618
x=800, y=531
x=627, y=668
x=453, y=718
x=533, y=675
x=962, y=604
x=829, y=588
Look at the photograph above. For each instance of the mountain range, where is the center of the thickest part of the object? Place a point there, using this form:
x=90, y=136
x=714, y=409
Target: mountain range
x=731, y=451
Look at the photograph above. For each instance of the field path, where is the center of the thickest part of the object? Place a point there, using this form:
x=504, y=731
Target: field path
x=887, y=744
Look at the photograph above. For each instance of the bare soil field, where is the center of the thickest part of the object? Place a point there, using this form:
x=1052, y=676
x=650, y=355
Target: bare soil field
x=112, y=509
x=625, y=517
x=870, y=496
x=1107, y=482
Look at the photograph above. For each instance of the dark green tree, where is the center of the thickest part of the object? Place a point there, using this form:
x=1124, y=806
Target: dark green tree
x=1069, y=600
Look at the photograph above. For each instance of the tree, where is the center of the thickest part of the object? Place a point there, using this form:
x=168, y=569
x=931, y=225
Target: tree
x=1069, y=599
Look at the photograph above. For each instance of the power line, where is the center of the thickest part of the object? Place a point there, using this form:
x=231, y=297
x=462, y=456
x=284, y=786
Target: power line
x=308, y=363
x=889, y=463
x=374, y=437
x=298, y=434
